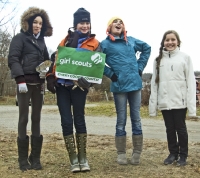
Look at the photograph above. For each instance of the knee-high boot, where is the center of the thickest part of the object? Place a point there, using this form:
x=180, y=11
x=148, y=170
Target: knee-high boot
x=81, y=140
x=120, y=143
x=36, y=147
x=23, y=147
x=137, y=141
x=70, y=146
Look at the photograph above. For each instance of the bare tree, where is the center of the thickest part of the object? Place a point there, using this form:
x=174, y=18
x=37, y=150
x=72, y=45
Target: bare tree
x=5, y=39
x=6, y=15
x=8, y=10
x=14, y=25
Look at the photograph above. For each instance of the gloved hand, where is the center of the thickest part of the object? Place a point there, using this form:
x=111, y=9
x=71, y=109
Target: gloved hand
x=82, y=82
x=114, y=78
x=51, y=83
x=22, y=88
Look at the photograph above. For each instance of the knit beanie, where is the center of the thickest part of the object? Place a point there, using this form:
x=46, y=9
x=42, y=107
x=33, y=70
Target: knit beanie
x=81, y=15
x=109, y=25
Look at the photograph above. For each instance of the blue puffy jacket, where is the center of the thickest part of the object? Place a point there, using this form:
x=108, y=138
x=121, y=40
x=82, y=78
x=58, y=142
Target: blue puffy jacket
x=121, y=60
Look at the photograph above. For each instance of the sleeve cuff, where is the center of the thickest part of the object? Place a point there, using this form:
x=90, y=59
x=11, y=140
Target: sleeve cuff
x=20, y=79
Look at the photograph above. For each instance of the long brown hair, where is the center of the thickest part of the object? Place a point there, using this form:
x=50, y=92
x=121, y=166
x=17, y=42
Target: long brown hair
x=158, y=59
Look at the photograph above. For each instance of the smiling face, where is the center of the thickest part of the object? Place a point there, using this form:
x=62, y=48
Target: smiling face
x=117, y=27
x=37, y=25
x=83, y=27
x=171, y=42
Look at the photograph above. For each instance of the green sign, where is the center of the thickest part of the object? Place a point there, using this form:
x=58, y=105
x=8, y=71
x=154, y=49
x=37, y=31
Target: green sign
x=73, y=63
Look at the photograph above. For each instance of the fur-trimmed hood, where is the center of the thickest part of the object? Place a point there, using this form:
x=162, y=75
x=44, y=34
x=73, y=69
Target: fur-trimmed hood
x=32, y=11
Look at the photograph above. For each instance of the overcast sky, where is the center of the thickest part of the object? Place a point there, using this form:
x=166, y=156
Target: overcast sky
x=146, y=20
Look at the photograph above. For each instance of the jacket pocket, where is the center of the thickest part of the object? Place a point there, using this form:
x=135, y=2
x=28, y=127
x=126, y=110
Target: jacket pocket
x=162, y=96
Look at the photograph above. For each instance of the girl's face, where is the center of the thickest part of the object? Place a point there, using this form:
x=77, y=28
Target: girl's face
x=171, y=42
x=83, y=27
x=37, y=25
x=117, y=27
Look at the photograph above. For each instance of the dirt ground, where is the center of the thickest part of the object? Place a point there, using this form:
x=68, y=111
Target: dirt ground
x=100, y=149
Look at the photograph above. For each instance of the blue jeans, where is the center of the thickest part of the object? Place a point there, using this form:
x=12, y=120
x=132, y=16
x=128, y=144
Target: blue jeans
x=134, y=100
x=71, y=104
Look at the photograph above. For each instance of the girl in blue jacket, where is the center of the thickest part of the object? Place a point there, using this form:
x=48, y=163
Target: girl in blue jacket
x=125, y=70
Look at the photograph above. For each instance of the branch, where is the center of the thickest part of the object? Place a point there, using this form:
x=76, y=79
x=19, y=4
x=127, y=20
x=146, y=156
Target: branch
x=8, y=15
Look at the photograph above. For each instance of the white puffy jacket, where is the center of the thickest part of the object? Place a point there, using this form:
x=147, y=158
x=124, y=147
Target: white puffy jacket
x=177, y=87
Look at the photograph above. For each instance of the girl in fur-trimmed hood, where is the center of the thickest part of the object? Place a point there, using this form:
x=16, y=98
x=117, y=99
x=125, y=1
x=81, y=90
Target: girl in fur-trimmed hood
x=28, y=16
x=27, y=51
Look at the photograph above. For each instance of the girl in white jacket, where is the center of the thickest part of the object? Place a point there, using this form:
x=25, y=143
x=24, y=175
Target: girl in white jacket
x=173, y=92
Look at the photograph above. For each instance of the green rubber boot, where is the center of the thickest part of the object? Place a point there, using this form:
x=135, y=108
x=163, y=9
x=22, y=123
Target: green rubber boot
x=70, y=146
x=81, y=140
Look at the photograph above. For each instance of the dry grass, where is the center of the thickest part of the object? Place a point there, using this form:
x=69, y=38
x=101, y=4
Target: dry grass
x=102, y=107
x=101, y=155
x=102, y=159
x=108, y=109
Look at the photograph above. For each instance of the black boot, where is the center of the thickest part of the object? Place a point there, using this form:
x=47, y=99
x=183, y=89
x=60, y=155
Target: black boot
x=36, y=147
x=181, y=161
x=23, y=146
x=170, y=159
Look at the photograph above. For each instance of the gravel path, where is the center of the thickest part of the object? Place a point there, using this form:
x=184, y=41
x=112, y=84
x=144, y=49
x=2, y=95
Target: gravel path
x=100, y=125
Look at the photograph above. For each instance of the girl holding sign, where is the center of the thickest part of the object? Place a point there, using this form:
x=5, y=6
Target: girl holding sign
x=73, y=99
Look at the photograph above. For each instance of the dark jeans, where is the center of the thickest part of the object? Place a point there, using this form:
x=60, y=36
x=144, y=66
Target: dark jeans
x=35, y=93
x=71, y=103
x=176, y=127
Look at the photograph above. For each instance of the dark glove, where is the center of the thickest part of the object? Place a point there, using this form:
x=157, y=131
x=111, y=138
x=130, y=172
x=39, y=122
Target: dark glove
x=51, y=83
x=114, y=78
x=83, y=83
x=140, y=73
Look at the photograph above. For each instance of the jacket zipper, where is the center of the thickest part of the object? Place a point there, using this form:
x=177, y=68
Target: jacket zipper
x=172, y=65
